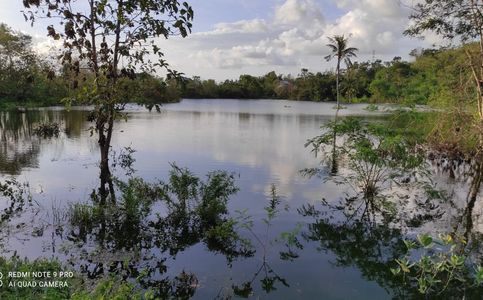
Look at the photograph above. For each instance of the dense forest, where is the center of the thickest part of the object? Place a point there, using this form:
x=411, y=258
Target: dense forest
x=431, y=73
x=27, y=78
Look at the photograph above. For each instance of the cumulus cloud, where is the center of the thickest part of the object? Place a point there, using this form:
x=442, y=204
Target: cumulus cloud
x=381, y=8
x=294, y=30
x=45, y=46
x=299, y=13
x=243, y=26
x=285, y=36
x=292, y=36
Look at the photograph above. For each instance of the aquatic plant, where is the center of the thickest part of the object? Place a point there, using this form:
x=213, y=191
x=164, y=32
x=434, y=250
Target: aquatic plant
x=372, y=107
x=47, y=130
x=376, y=157
x=190, y=210
x=439, y=266
x=18, y=264
x=17, y=196
x=124, y=159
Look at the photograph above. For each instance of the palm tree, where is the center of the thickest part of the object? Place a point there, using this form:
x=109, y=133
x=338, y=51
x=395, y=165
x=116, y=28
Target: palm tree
x=339, y=46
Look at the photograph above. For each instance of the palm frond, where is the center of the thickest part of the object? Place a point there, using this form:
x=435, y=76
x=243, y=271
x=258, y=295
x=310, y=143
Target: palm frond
x=348, y=62
x=333, y=47
x=339, y=47
x=351, y=51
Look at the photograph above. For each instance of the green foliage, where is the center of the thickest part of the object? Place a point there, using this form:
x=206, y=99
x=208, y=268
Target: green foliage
x=46, y=130
x=372, y=107
x=442, y=268
x=340, y=49
x=424, y=81
x=112, y=289
x=195, y=210
x=40, y=265
x=390, y=82
x=25, y=77
x=447, y=18
x=376, y=155
x=15, y=196
x=272, y=208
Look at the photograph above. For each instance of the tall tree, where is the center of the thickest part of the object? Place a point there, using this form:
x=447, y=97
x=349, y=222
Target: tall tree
x=340, y=50
x=18, y=64
x=462, y=19
x=451, y=19
x=111, y=39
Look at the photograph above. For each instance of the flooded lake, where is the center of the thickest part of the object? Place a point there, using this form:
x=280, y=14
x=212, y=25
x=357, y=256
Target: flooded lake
x=304, y=249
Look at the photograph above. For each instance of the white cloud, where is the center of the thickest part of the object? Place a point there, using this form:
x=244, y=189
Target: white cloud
x=243, y=26
x=292, y=36
x=295, y=36
x=299, y=13
x=45, y=46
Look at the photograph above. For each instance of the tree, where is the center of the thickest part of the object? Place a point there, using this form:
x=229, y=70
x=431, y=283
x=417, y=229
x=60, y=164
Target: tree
x=391, y=83
x=18, y=64
x=452, y=19
x=461, y=19
x=341, y=51
x=111, y=39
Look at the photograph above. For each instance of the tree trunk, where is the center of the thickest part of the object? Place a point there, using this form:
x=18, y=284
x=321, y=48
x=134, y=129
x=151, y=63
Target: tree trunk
x=472, y=196
x=106, y=187
x=106, y=118
x=337, y=81
x=335, y=166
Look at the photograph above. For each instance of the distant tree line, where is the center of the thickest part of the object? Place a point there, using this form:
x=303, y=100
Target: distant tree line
x=28, y=78
x=430, y=73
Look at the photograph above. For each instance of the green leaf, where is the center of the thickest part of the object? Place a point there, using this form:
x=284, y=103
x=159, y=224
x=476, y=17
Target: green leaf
x=479, y=275
x=457, y=260
x=410, y=244
x=404, y=264
x=425, y=240
x=395, y=271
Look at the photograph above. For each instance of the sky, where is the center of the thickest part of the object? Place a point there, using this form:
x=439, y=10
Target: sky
x=234, y=37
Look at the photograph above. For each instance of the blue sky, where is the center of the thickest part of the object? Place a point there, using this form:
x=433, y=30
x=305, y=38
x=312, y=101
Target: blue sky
x=233, y=37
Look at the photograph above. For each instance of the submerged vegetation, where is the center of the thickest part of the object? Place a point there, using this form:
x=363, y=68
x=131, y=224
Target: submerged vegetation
x=122, y=241
x=442, y=268
x=47, y=130
x=15, y=196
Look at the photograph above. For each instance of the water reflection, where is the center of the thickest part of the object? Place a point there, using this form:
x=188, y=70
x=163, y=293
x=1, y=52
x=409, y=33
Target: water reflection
x=393, y=196
x=182, y=235
x=188, y=211
x=20, y=145
x=19, y=149
x=371, y=247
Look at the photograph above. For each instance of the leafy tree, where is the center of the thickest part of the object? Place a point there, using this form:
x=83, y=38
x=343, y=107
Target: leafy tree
x=270, y=83
x=251, y=86
x=452, y=19
x=341, y=51
x=18, y=65
x=390, y=83
x=110, y=39
x=461, y=19
x=357, y=79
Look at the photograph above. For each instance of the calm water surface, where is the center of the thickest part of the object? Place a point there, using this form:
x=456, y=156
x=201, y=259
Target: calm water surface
x=262, y=142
